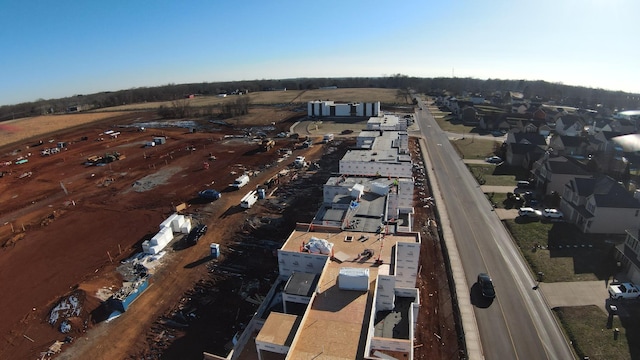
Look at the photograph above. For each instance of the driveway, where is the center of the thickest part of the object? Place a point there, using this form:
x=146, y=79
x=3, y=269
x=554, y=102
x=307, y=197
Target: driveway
x=575, y=293
x=504, y=214
x=497, y=189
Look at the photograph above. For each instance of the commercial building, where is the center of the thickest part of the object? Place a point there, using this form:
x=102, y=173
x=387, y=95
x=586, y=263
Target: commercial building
x=327, y=108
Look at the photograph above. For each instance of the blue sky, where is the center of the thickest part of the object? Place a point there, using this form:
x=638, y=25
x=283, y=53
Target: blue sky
x=60, y=48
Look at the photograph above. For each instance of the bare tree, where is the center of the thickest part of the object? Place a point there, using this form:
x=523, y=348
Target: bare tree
x=404, y=94
x=182, y=108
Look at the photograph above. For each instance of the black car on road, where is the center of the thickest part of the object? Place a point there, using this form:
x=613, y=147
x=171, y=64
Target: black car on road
x=486, y=285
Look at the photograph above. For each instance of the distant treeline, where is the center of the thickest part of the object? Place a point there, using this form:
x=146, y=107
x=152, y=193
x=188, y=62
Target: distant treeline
x=537, y=90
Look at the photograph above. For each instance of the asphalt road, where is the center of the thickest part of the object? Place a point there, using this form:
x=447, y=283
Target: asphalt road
x=517, y=324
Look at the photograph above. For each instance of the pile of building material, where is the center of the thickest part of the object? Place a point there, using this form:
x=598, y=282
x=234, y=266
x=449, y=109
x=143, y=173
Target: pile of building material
x=318, y=246
x=174, y=223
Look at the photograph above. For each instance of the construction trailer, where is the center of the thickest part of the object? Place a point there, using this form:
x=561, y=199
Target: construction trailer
x=249, y=199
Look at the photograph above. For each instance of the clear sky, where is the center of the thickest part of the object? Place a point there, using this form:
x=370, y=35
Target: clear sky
x=52, y=49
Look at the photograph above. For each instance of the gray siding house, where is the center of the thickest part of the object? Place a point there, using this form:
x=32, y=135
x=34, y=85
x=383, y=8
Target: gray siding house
x=600, y=205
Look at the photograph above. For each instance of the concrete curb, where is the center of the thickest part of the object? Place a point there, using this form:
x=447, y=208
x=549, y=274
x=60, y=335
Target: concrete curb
x=469, y=324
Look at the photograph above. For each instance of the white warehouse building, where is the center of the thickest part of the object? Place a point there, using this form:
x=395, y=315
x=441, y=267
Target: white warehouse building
x=326, y=108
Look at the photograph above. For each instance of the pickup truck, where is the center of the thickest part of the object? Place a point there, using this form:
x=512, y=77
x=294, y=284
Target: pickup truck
x=624, y=291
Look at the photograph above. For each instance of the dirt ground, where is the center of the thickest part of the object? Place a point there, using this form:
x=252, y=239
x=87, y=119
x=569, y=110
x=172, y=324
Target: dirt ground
x=65, y=226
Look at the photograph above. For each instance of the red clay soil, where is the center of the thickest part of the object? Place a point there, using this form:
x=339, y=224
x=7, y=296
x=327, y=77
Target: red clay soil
x=56, y=242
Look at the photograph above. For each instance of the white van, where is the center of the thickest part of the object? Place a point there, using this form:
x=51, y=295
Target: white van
x=249, y=199
x=240, y=181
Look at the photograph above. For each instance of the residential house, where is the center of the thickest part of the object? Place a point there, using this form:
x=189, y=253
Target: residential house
x=551, y=173
x=519, y=108
x=519, y=144
x=600, y=124
x=491, y=118
x=569, y=125
x=600, y=205
x=477, y=99
x=520, y=154
x=574, y=146
x=624, y=152
x=511, y=97
x=628, y=254
x=469, y=116
x=544, y=130
x=514, y=137
x=539, y=114
x=624, y=126
x=451, y=103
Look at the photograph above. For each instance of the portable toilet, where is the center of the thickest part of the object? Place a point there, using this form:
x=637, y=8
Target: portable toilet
x=215, y=250
x=261, y=193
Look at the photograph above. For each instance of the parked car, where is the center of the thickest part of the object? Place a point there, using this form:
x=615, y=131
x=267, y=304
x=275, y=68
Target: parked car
x=523, y=184
x=552, y=214
x=493, y=159
x=529, y=212
x=209, y=194
x=624, y=291
x=486, y=285
x=195, y=234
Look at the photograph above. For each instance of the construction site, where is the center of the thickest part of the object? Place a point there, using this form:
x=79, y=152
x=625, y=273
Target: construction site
x=88, y=268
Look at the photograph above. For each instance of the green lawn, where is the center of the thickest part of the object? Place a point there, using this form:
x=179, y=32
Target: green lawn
x=563, y=253
x=497, y=198
x=472, y=148
x=502, y=175
x=586, y=327
x=444, y=121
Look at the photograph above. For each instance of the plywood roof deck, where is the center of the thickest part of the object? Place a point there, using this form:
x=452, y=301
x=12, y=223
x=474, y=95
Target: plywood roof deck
x=335, y=326
x=278, y=329
x=336, y=323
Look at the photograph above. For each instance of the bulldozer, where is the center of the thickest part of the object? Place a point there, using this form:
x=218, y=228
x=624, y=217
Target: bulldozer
x=267, y=144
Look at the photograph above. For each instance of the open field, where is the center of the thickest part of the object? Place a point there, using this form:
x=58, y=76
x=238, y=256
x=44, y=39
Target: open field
x=300, y=97
x=63, y=223
x=26, y=128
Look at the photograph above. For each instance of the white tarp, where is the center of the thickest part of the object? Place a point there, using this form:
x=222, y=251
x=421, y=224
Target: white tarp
x=185, y=228
x=177, y=223
x=167, y=221
x=318, y=246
